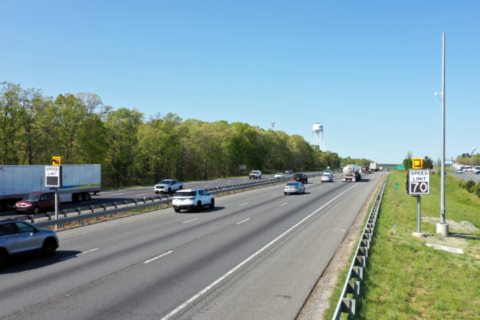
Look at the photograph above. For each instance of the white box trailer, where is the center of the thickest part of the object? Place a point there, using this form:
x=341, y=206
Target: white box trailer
x=78, y=181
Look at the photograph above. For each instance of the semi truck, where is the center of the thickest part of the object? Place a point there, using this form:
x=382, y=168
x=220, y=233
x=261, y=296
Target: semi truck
x=351, y=173
x=78, y=182
x=373, y=166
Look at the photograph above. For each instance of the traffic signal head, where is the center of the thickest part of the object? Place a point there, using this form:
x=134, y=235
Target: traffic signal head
x=56, y=161
x=417, y=163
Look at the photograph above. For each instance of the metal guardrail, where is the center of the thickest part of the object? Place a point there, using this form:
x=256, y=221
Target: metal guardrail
x=128, y=205
x=357, y=268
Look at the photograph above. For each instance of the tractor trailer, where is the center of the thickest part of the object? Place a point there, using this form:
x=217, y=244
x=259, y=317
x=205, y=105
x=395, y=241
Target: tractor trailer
x=78, y=182
x=351, y=173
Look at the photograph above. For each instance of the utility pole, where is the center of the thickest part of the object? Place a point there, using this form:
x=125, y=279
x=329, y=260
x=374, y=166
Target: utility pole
x=442, y=227
x=273, y=125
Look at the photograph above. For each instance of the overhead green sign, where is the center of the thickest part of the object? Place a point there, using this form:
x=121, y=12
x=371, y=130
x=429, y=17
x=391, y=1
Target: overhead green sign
x=400, y=167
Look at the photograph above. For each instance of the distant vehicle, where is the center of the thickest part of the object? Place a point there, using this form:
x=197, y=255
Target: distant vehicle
x=351, y=173
x=168, y=186
x=18, y=237
x=328, y=171
x=468, y=169
x=302, y=177
x=255, y=174
x=294, y=187
x=327, y=177
x=37, y=202
x=192, y=199
x=373, y=166
x=366, y=169
x=279, y=175
x=289, y=171
x=460, y=170
x=476, y=170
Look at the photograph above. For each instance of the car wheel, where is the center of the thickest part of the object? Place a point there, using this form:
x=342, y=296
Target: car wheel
x=212, y=204
x=199, y=206
x=181, y=187
x=49, y=247
x=156, y=192
x=86, y=196
x=285, y=193
x=3, y=260
x=169, y=190
x=176, y=210
x=36, y=210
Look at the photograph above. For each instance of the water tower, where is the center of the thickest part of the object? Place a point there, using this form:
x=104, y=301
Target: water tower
x=318, y=135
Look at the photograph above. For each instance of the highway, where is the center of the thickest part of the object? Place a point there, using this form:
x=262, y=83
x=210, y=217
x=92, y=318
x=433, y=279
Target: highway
x=139, y=193
x=256, y=255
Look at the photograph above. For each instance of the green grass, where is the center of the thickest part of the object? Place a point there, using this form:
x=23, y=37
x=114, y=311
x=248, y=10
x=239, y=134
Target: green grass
x=405, y=279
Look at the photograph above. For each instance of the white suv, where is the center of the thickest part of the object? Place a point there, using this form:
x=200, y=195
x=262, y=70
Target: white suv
x=192, y=199
x=18, y=237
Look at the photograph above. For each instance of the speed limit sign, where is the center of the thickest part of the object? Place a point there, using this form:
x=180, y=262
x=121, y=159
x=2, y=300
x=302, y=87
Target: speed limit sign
x=418, y=182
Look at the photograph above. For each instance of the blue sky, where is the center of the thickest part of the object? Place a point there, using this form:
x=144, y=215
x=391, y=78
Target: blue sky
x=367, y=70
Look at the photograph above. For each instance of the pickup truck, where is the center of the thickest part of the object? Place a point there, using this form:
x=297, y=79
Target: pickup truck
x=256, y=174
x=168, y=186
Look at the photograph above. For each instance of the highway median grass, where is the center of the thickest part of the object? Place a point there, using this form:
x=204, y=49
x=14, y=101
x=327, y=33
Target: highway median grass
x=404, y=278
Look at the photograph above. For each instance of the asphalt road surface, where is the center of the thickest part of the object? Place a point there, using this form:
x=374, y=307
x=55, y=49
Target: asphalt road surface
x=138, y=193
x=466, y=176
x=256, y=255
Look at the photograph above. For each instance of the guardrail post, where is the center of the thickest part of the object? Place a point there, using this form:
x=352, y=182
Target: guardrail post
x=348, y=306
x=354, y=288
x=357, y=272
x=80, y=222
x=49, y=216
x=32, y=219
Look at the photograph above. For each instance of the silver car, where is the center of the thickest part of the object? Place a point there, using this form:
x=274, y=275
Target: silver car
x=18, y=237
x=294, y=187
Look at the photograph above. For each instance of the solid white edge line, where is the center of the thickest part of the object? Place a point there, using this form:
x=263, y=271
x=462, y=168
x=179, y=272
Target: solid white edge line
x=243, y=204
x=243, y=221
x=283, y=204
x=168, y=316
x=78, y=254
x=158, y=257
x=189, y=220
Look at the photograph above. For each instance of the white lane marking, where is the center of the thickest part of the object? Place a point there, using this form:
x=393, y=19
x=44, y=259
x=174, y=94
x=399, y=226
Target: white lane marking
x=78, y=254
x=305, y=195
x=106, y=192
x=158, y=257
x=195, y=297
x=243, y=221
x=141, y=194
x=283, y=204
x=114, y=194
x=189, y=220
x=243, y=204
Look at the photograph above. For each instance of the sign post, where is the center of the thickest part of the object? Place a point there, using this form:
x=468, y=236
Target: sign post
x=418, y=184
x=53, y=178
x=396, y=188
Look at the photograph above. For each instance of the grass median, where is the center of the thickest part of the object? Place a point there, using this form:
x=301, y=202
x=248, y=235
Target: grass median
x=405, y=279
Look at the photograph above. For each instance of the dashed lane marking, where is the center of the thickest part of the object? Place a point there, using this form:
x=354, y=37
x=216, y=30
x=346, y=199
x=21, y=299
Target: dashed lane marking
x=243, y=204
x=78, y=254
x=190, y=220
x=283, y=204
x=158, y=257
x=243, y=221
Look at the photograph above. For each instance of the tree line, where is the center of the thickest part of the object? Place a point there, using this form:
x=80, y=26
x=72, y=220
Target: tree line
x=134, y=149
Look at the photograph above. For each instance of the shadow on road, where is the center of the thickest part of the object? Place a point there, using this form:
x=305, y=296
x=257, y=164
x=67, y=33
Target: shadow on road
x=205, y=209
x=36, y=261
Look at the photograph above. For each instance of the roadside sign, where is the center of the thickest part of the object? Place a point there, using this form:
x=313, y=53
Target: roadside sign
x=56, y=161
x=53, y=176
x=400, y=167
x=418, y=182
x=396, y=185
x=417, y=163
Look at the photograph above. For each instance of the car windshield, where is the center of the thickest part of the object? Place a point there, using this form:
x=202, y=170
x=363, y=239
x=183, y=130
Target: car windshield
x=291, y=184
x=279, y=174
x=253, y=172
x=165, y=181
x=185, y=194
x=32, y=197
